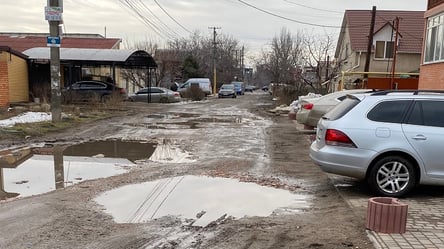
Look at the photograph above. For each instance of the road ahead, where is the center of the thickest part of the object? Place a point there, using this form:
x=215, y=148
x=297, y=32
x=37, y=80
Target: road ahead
x=226, y=173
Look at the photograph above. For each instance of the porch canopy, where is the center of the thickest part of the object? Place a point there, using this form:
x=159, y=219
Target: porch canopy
x=95, y=57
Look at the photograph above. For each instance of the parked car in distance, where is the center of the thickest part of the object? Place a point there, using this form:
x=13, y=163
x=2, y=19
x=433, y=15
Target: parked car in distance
x=203, y=83
x=390, y=138
x=227, y=90
x=239, y=86
x=92, y=90
x=250, y=88
x=312, y=109
x=155, y=95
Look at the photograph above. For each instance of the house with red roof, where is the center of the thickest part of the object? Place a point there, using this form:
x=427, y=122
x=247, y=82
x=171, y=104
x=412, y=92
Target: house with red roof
x=432, y=61
x=24, y=41
x=386, y=58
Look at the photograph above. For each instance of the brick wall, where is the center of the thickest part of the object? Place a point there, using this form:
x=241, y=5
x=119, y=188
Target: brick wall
x=432, y=76
x=4, y=84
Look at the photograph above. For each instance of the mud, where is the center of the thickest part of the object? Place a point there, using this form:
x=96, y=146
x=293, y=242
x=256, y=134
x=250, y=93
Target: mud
x=258, y=147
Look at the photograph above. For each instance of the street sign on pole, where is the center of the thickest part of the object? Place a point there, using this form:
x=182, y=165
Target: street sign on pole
x=53, y=41
x=53, y=13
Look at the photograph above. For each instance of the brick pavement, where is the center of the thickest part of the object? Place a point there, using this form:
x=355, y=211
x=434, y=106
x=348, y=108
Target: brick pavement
x=425, y=223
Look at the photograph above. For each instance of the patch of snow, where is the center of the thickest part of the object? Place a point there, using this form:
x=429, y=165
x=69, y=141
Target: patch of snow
x=27, y=117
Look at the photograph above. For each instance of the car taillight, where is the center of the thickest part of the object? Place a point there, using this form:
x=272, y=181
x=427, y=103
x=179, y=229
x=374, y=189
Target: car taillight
x=338, y=138
x=122, y=91
x=308, y=106
x=176, y=94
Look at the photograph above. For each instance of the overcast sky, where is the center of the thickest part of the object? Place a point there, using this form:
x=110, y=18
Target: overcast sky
x=252, y=22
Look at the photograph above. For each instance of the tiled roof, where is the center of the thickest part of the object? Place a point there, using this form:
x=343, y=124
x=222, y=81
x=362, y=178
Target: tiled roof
x=22, y=42
x=411, y=28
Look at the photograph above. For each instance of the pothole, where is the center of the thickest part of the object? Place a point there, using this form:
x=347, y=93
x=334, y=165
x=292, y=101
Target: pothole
x=32, y=171
x=131, y=150
x=198, y=200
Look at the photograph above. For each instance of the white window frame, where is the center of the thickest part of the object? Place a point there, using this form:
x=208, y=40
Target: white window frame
x=434, y=44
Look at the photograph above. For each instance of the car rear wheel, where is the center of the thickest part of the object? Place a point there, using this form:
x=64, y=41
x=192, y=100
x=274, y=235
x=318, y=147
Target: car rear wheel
x=392, y=176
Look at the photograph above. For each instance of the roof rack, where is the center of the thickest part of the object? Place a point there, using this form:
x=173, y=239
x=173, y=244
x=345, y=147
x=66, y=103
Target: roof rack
x=414, y=92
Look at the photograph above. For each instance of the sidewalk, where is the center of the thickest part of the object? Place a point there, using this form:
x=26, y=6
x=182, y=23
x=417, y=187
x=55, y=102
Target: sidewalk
x=425, y=218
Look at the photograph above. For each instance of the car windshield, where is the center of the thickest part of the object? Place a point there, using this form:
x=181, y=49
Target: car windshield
x=227, y=87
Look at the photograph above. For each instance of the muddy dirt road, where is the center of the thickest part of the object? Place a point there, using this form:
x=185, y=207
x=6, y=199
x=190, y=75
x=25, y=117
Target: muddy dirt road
x=225, y=173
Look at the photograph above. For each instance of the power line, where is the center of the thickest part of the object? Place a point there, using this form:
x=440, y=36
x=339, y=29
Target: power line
x=129, y=4
x=306, y=6
x=286, y=18
x=161, y=22
x=171, y=17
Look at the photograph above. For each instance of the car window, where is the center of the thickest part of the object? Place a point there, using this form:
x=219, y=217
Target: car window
x=389, y=111
x=155, y=90
x=92, y=85
x=342, y=108
x=429, y=113
x=143, y=91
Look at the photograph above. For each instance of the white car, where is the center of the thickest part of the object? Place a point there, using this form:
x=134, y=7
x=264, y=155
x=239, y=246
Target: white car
x=312, y=109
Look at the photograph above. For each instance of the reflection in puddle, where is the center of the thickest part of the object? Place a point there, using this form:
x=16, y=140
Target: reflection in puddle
x=133, y=151
x=38, y=174
x=203, y=199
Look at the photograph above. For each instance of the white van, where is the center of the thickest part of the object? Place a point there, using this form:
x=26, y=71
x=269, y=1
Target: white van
x=204, y=84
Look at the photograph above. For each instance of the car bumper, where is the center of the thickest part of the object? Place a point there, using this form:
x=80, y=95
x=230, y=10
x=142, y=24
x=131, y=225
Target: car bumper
x=344, y=161
x=226, y=95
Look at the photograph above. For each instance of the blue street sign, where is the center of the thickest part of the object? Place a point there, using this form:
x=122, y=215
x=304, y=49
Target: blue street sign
x=53, y=41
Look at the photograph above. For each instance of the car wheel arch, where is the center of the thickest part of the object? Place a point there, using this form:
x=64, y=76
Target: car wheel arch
x=386, y=174
x=395, y=153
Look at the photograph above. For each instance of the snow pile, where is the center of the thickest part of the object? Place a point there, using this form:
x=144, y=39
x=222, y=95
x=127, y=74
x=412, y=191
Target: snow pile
x=27, y=117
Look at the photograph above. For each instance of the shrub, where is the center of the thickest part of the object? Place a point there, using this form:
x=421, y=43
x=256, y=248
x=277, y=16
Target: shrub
x=195, y=93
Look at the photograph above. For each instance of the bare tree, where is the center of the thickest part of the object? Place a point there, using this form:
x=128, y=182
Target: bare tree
x=284, y=59
x=319, y=51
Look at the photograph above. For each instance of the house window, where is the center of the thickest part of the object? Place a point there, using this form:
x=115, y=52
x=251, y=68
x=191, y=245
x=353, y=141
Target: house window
x=384, y=49
x=434, y=46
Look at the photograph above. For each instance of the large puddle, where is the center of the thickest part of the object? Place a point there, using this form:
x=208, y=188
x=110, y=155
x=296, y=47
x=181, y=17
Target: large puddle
x=40, y=174
x=199, y=200
x=130, y=150
x=24, y=174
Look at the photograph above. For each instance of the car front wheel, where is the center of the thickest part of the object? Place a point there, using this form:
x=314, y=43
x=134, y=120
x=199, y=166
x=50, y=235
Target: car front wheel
x=392, y=176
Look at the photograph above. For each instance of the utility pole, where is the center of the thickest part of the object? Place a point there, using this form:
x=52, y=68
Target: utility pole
x=395, y=51
x=214, y=58
x=370, y=43
x=242, y=62
x=53, y=13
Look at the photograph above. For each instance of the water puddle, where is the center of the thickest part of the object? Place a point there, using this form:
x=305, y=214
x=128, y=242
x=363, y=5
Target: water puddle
x=32, y=171
x=194, y=121
x=41, y=173
x=132, y=150
x=198, y=200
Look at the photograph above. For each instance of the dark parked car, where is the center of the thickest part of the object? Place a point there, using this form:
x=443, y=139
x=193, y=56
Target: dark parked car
x=227, y=90
x=239, y=86
x=250, y=88
x=155, y=95
x=92, y=90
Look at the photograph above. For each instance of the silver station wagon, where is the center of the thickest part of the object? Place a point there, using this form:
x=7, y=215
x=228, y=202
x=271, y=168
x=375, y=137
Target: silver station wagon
x=390, y=138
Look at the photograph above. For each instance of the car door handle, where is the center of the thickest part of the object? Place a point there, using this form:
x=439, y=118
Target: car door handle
x=419, y=137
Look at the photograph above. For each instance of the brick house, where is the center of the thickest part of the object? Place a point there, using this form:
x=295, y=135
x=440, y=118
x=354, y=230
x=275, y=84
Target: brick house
x=432, y=63
x=13, y=77
x=351, y=49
